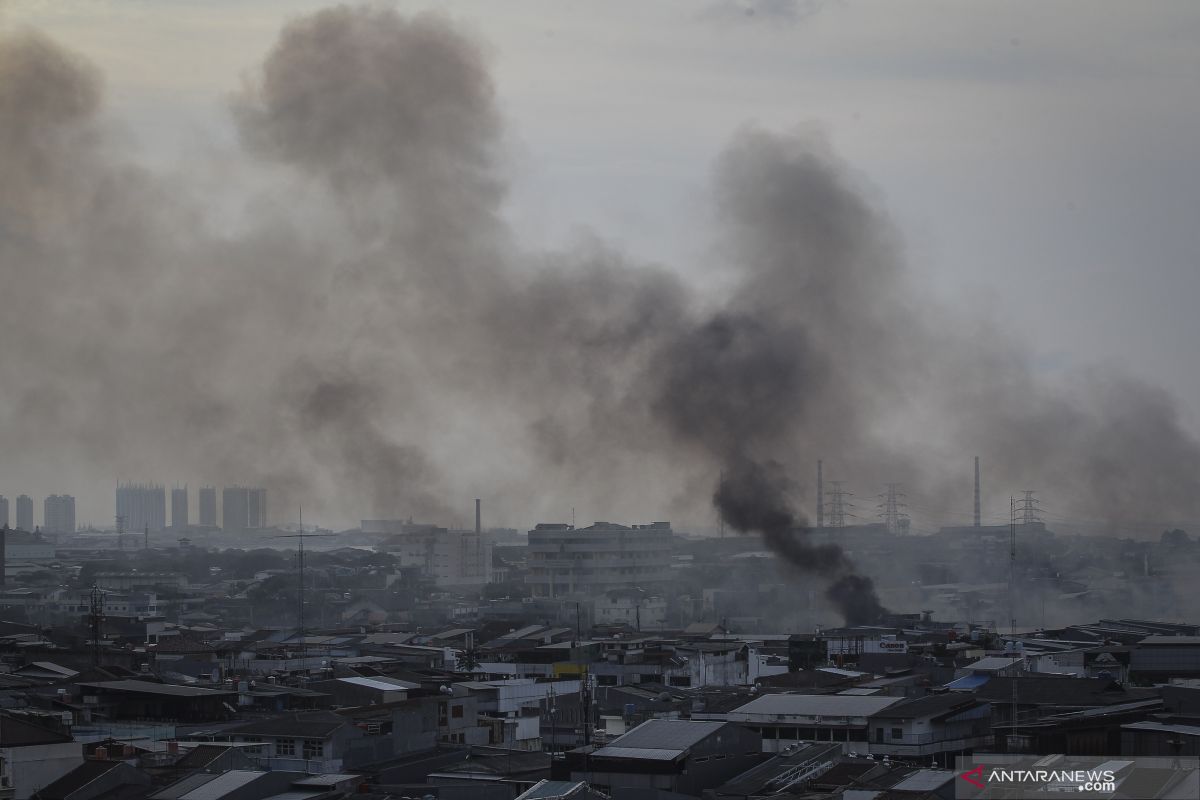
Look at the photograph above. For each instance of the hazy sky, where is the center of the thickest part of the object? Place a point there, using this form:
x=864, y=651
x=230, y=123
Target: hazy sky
x=1038, y=158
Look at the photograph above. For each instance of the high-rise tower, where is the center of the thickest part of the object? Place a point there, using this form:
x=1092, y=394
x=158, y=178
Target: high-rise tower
x=179, y=507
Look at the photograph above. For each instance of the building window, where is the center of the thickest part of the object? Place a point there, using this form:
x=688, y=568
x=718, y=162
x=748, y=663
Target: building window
x=313, y=748
x=457, y=712
x=285, y=748
x=897, y=733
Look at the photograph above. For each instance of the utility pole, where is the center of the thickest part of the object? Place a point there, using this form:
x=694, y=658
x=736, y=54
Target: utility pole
x=300, y=537
x=96, y=618
x=146, y=538
x=1012, y=615
x=820, y=497
x=892, y=505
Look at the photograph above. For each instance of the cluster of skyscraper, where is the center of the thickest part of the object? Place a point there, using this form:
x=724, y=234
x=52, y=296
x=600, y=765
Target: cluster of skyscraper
x=58, y=513
x=143, y=506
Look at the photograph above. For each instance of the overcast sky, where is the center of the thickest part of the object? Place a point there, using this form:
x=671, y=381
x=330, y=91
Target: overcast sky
x=1038, y=158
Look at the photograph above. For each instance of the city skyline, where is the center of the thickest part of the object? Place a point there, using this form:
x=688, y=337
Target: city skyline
x=916, y=167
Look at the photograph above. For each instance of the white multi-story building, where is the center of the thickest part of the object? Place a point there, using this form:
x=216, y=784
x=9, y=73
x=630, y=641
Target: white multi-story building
x=564, y=560
x=59, y=513
x=449, y=557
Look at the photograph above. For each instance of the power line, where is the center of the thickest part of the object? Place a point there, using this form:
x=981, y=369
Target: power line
x=894, y=518
x=838, y=505
x=1029, y=508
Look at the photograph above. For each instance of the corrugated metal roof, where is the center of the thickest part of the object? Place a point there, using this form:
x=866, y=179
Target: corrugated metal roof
x=182, y=787
x=968, y=682
x=641, y=753
x=223, y=784
x=667, y=734
x=551, y=790
x=816, y=705
x=382, y=684
x=149, y=687
x=925, y=780
x=993, y=663
x=326, y=779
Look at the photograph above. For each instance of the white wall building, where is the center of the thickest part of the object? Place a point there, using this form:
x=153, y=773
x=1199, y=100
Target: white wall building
x=564, y=560
x=784, y=719
x=33, y=756
x=450, y=557
x=633, y=609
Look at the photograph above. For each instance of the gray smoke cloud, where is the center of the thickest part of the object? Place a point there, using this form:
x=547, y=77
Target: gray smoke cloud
x=370, y=340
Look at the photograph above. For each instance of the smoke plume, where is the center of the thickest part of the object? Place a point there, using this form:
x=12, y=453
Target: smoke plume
x=367, y=337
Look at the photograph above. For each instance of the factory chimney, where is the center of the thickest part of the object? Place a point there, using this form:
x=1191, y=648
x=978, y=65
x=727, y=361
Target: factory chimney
x=478, y=527
x=976, y=491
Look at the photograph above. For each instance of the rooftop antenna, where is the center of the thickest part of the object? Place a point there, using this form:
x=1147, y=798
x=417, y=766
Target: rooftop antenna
x=300, y=537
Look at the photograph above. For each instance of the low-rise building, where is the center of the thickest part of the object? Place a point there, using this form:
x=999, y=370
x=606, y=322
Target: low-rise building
x=936, y=726
x=33, y=754
x=683, y=756
x=782, y=720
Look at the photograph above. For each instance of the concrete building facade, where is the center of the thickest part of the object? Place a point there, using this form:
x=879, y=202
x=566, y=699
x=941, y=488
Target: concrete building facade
x=243, y=508
x=449, y=557
x=208, y=506
x=179, y=508
x=590, y=561
x=24, y=512
x=59, y=513
x=142, y=506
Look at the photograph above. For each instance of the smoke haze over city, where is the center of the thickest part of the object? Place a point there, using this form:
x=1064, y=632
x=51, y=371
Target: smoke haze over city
x=342, y=312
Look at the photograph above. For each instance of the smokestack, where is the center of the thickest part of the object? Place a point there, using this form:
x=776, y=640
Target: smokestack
x=820, y=498
x=478, y=528
x=976, y=491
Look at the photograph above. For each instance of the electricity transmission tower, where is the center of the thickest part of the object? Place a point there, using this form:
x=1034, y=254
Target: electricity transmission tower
x=1028, y=506
x=893, y=515
x=838, y=505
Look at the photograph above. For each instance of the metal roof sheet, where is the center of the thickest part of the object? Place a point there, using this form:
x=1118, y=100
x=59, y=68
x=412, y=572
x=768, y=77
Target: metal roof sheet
x=223, y=784
x=667, y=734
x=925, y=780
x=816, y=705
x=382, y=684
x=993, y=663
x=641, y=753
x=149, y=687
x=182, y=786
x=549, y=790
